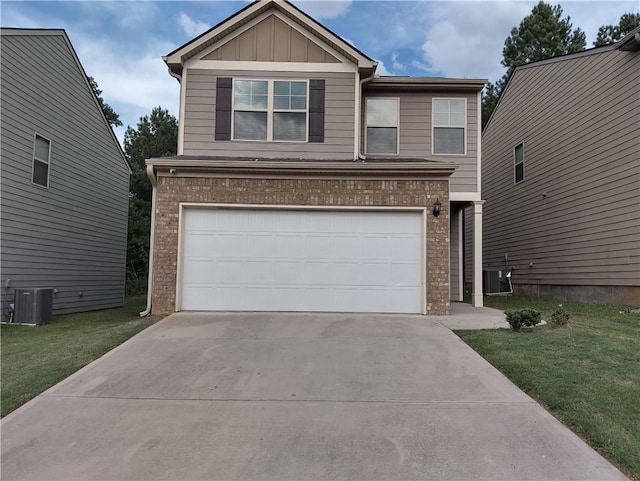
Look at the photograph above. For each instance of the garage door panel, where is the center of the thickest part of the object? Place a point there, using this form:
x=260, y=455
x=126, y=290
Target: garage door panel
x=301, y=260
x=403, y=274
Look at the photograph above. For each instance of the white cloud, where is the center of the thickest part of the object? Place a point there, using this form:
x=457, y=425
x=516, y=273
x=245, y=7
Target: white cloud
x=382, y=70
x=458, y=45
x=395, y=63
x=319, y=9
x=191, y=27
x=133, y=84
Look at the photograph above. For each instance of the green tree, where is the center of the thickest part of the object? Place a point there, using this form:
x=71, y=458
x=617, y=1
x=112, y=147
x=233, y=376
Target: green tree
x=112, y=117
x=156, y=135
x=608, y=34
x=490, y=96
x=542, y=34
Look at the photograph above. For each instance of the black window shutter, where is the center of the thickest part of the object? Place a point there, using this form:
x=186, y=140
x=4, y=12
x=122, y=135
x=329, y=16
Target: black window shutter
x=316, y=111
x=224, y=88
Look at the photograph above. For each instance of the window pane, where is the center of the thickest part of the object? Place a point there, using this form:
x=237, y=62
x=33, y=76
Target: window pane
x=448, y=112
x=289, y=126
x=243, y=87
x=281, y=88
x=519, y=153
x=298, y=102
x=250, y=125
x=448, y=141
x=281, y=102
x=259, y=87
x=299, y=88
x=456, y=118
x=382, y=112
x=456, y=106
x=519, y=172
x=42, y=149
x=250, y=94
x=290, y=95
x=242, y=101
x=382, y=140
x=441, y=106
x=441, y=118
x=40, y=173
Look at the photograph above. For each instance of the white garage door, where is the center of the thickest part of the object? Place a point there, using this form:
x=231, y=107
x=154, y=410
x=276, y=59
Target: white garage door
x=279, y=260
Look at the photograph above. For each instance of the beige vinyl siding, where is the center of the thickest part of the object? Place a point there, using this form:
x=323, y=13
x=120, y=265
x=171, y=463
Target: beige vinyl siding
x=200, y=111
x=416, y=134
x=467, y=239
x=73, y=235
x=575, y=219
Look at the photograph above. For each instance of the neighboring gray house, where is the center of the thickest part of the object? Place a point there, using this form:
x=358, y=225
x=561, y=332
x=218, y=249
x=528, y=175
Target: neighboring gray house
x=561, y=171
x=64, y=178
x=304, y=182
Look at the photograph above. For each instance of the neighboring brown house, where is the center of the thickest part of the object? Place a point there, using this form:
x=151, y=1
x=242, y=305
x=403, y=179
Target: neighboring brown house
x=304, y=182
x=561, y=170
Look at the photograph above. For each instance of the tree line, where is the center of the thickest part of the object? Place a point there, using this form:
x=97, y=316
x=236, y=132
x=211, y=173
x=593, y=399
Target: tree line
x=155, y=135
x=542, y=34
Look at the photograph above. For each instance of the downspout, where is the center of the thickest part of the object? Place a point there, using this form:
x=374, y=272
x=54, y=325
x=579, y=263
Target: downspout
x=361, y=156
x=152, y=236
x=154, y=181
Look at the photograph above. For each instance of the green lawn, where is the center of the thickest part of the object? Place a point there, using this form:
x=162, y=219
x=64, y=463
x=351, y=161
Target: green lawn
x=587, y=373
x=35, y=358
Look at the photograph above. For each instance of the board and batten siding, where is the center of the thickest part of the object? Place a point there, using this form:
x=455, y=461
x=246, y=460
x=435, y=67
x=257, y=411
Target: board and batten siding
x=200, y=113
x=72, y=236
x=416, y=133
x=575, y=219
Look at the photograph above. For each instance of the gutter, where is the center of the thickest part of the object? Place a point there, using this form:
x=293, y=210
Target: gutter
x=395, y=168
x=154, y=181
x=358, y=121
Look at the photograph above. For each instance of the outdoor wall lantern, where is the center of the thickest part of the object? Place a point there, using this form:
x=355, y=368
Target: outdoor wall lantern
x=436, y=208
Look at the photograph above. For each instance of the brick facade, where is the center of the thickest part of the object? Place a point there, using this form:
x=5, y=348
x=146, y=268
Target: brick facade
x=171, y=190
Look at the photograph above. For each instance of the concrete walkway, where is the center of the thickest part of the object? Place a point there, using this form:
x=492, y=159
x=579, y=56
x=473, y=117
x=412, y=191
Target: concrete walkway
x=465, y=316
x=292, y=397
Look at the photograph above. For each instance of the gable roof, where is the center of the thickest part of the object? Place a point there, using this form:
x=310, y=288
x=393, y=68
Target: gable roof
x=62, y=33
x=175, y=60
x=630, y=42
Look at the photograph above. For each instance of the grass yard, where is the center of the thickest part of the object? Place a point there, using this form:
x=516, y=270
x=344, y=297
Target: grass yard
x=586, y=373
x=35, y=358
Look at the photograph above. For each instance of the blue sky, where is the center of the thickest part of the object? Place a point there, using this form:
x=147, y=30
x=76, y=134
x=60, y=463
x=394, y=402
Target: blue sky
x=121, y=43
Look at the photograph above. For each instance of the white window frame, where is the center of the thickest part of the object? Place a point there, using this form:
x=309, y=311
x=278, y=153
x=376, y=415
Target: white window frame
x=366, y=125
x=270, y=110
x=36, y=159
x=434, y=125
x=515, y=164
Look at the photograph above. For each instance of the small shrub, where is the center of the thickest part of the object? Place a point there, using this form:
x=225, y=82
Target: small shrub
x=559, y=317
x=522, y=317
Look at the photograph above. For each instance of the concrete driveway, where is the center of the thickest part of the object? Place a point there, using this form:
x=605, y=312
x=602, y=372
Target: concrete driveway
x=292, y=397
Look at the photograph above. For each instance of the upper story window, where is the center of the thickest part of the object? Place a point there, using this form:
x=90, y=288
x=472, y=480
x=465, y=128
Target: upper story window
x=449, y=124
x=518, y=162
x=382, y=126
x=41, y=158
x=270, y=110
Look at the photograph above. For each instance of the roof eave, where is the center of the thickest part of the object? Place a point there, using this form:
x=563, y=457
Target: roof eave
x=320, y=168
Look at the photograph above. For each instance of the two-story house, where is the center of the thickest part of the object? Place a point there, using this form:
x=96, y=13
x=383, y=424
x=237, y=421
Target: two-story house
x=304, y=182
x=562, y=176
